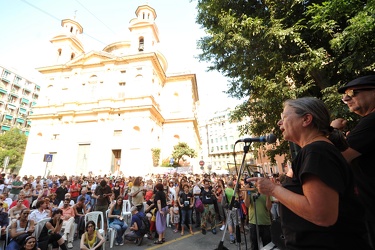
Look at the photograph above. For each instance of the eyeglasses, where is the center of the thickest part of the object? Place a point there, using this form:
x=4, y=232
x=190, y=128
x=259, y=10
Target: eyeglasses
x=353, y=92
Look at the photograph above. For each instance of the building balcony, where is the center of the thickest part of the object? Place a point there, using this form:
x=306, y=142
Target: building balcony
x=4, y=91
x=4, y=79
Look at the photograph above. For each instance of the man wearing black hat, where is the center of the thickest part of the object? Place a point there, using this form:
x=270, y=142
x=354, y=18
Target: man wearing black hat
x=359, y=95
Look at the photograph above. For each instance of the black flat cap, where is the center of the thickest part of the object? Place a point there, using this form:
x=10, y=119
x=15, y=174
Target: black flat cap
x=359, y=82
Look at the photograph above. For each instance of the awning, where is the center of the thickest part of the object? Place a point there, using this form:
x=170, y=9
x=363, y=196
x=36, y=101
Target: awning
x=26, y=133
x=11, y=106
x=22, y=111
x=5, y=80
x=3, y=91
x=28, y=122
x=20, y=120
x=24, y=100
x=8, y=117
x=33, y=103
x=16, y=84
x=5, y=128
x=14, y=94
x=37, y=86
x=28, y=90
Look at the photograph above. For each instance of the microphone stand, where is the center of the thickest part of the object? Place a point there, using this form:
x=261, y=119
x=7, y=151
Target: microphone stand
x=236, y=190
x=255, y=197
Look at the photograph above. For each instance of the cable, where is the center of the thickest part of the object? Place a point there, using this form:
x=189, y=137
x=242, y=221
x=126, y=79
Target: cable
x=58, y=19
x=95, y=17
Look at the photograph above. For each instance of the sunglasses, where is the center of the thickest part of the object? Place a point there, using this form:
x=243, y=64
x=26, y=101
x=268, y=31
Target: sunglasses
x=353, y=92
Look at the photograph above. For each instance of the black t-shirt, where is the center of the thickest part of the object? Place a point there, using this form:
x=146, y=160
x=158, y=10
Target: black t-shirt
x=185, y=200
x=160, y=195
x=44, y=233
x=362, y=139
x=100, y=191
x=323, y=160
x=207, y=196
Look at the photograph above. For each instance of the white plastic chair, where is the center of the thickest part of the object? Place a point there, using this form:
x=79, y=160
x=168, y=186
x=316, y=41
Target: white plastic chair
x=126, y=205
x=97, y=216
x=110, y=231
x=39, y=227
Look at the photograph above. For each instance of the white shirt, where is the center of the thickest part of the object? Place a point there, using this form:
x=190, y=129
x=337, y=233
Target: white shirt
x=37, y=216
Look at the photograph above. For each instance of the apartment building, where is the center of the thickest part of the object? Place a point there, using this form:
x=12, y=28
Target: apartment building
x=18, y=96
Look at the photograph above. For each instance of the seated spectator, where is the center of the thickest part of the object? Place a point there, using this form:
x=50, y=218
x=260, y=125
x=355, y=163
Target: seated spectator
x=30, y=244
x=50, y=233
x=4, y=220
x=5, y=205
x=117, y=222
x=21, y=196
x=20, y=229
x=7, y=199
x=53, y=200
x=67, y=196
x=80, y=211
x=87, y=199
x=68, y=222
x=40, y=212
x=15, y=212
x=136, y=223
x=91, y=239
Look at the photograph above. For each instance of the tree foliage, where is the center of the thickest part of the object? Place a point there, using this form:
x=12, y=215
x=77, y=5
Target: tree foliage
x=275, y=50
x=13, y=144
x=180, y=150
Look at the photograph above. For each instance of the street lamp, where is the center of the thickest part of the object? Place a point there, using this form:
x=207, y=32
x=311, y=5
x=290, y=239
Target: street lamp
x=209, y=167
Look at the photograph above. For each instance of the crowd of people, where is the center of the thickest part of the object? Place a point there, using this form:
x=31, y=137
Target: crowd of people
x=325, y=201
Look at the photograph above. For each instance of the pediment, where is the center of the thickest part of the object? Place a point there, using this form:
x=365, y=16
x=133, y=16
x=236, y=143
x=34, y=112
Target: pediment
x=93, y=57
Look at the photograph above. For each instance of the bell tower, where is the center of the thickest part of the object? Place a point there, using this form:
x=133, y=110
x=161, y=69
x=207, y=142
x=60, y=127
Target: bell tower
x=67, y=43
x=144, y=32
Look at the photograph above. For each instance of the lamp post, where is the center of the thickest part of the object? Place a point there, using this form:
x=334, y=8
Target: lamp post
x=209, y=167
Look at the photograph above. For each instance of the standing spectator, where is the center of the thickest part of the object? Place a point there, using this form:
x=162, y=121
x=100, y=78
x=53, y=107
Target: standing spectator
x=68, y=223
x=318, y=205
x=186, y=203
x=197, y=193
x=74, y=189
x=102, y=195
x=232, y=219
x=117, y=190
x=137, y=194
x=263, y=207
x=209, y=214
x=61, y=191
x=160, y=201
x=17, y=185
x=359, y=96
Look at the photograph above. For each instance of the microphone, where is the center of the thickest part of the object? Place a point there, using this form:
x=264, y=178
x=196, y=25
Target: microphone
x=270, y=138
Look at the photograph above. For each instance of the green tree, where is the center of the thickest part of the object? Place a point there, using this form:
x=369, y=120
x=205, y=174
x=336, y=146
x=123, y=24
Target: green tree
x=13, y=144
x=180, y=150
x=274, y=50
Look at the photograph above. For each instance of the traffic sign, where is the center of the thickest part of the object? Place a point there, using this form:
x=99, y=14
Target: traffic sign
x=201, y=163
x=47, y=158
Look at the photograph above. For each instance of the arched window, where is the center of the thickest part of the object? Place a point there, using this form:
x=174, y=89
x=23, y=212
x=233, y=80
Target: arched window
x=71, y=29
x=72, y=56
x=141, y=46
x=59, y=51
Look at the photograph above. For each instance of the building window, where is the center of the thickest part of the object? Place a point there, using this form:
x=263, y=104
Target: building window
x=72, y=56
x=117, y=132
x=59, y=51
x=141, y=46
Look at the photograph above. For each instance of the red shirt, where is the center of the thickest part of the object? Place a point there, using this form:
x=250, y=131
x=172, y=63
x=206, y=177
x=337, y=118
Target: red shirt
x=74, y=190
x=25, y=202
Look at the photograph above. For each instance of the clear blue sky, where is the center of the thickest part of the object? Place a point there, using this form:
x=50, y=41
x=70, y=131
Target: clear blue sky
x=28, y=25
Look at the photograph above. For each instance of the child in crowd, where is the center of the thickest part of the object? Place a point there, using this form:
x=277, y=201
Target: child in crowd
x=176, y=216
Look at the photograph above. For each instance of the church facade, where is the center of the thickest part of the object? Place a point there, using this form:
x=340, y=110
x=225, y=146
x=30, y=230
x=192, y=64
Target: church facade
x=107, y=111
